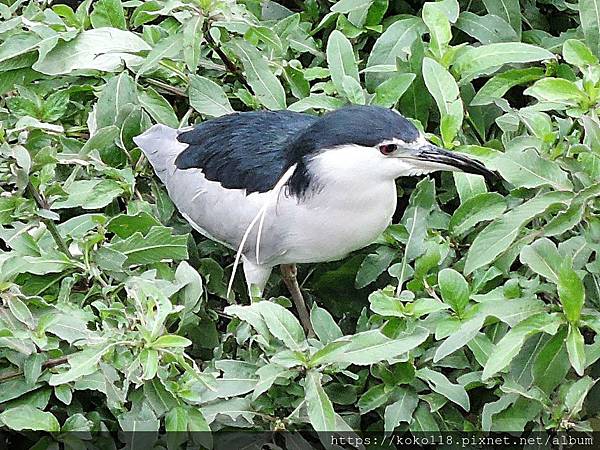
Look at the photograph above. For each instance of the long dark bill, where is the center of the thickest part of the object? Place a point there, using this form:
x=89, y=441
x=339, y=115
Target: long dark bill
x=432, y=153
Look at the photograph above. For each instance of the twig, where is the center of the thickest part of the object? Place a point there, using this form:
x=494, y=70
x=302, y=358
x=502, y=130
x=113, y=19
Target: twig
x=43, y=204
x=167, y=87
x=430, y=290
x=478, y=135
x=48, y=364
x=229, y=64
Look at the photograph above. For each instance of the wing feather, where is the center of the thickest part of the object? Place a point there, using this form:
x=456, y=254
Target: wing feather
x=243, y=150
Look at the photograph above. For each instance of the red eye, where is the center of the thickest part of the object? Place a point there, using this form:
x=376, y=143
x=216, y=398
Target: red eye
x=386, y=149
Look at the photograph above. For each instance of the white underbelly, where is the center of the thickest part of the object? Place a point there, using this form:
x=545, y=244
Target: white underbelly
x=325, y=226
x=330, y=225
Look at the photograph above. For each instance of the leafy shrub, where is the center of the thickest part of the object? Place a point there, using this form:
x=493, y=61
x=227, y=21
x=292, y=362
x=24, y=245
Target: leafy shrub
x=477, y=310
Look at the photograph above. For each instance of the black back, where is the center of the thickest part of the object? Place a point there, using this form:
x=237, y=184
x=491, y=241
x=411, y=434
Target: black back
x=252, y=150
x=243, y=150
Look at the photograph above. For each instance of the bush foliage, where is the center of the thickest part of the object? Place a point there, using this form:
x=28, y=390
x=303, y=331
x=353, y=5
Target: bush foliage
x=476, y=310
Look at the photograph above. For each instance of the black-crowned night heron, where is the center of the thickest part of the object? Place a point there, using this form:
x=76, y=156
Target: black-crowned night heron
x=283, y=188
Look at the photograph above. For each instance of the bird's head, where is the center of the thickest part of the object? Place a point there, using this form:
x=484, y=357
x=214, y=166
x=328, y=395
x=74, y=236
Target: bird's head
x=377, y=142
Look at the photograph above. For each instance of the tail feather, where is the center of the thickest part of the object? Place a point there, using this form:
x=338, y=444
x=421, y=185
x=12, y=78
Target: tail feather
x=160, y=145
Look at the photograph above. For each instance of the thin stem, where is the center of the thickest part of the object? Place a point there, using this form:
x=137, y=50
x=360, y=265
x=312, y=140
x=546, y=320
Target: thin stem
x=186, y=116
x=50, y=363
x=42, y=204
x=182, y=76
x=478, y=135
x=229, y=64
x=167, y=87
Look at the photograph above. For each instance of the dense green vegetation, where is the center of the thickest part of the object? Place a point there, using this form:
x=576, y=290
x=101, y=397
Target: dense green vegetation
x=477, y=310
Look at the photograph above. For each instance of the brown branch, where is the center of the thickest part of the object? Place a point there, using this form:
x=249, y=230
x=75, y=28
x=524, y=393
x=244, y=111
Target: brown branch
x=48, y=364
x=229, y=64
x=167, y=87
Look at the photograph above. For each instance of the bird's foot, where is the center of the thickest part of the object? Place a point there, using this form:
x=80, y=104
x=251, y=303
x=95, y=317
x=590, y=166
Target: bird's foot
x=289, y=275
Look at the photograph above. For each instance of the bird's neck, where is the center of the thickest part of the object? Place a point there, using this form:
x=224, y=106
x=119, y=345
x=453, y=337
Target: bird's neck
x=345, y=178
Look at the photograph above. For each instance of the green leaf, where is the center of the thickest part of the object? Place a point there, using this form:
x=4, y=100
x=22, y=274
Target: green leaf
x=528, y=169
x=423, y=420
x=576, y=349
x=401, y=410
x=508, y=347
x=81, y=363
x=282, y=324
x=353, y=90
x=192, y=40
x=551, y=363
x=557, y=90
x=371, y=347
x=444, y=90
x=100, y=49
x=26, y=417
x=393, y=44
x=325, y=327
x=157, y=245
x=340, y=60
x=373, y=266
x=509, y=10
x=170, y=341
x=589, y=15
x=500, y=234
x=468, y=185
x=266, y=86
x=21, y=311
x=439, y=27
x=319, y=407
x=486, y=29
x=103, y=138
x=117, y=92
x=196, y=421
x=415, y=218
x=498, y=85
x=477, y=61
x=388, y=93
x=207, y=97
x=51, y=262
x=375, y=397
x=569, y=218
x=455, y=290
x=578, y=54
x=346, y=6
x=438, y=382
x=327, y=352
x=317, y=101
x=386, y=305
x=89, y=194
x=464, y=335
x=149, y=362
x=169, y=47
x=176, y=420
x=108, y=13
x=577, y=393
x=570, y=291
x=479, y=208
x=542, y=257
x=18, y=44
x=267, y=375
x=125, y=225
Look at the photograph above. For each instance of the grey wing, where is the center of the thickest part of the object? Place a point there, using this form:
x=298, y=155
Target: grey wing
x=218, y=212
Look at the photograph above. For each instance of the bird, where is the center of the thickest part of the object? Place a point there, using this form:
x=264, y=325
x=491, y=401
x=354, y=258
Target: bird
x=283, y=188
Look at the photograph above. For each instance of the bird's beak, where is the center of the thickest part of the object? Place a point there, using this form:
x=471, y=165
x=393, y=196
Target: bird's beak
x=436, y=156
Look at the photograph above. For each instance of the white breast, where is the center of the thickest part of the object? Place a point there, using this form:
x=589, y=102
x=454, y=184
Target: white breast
x=350, y=208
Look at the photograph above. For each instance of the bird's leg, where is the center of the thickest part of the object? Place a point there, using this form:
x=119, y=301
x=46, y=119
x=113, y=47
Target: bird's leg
x=289, y=272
